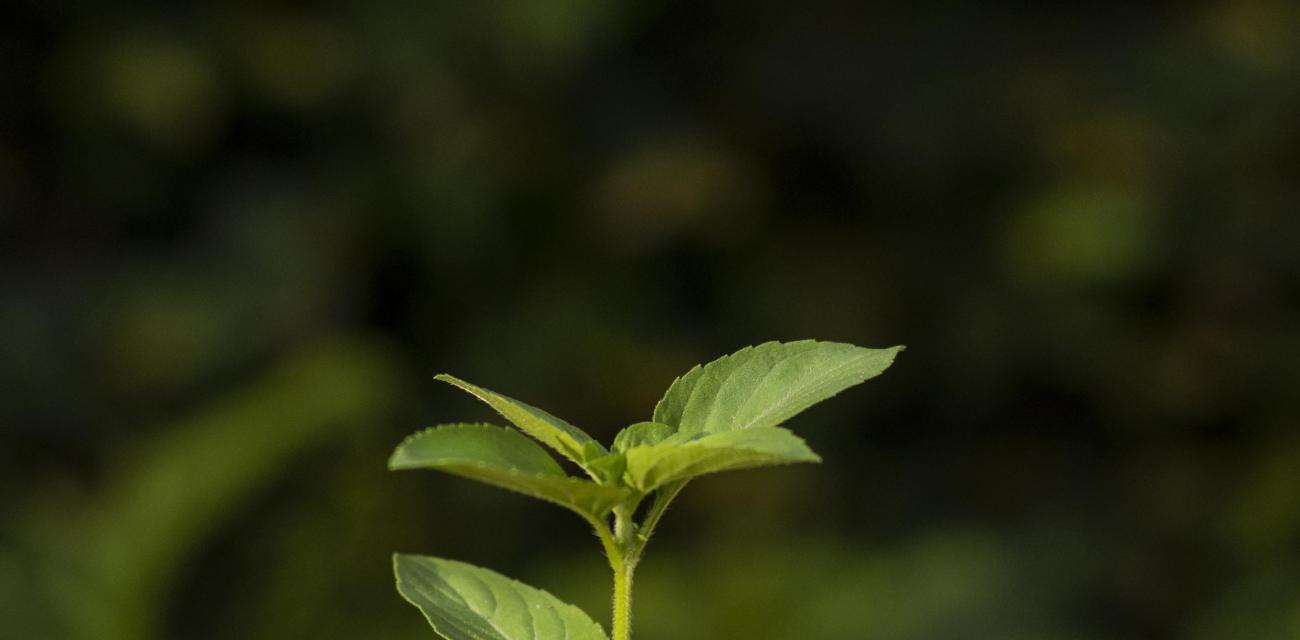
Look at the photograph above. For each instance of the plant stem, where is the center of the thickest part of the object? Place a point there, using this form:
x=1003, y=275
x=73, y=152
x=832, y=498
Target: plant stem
x=622, y=627
x=624, y=565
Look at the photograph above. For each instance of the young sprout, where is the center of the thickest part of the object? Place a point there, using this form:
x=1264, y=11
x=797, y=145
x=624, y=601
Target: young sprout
x=722, y=416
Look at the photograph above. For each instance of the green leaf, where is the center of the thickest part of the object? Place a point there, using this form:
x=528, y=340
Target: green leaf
x=548, y=429
x=682, y=457
x=766, y=385
x=608, y=468
x=465, y=602
x=505, y=458
x=641, y=433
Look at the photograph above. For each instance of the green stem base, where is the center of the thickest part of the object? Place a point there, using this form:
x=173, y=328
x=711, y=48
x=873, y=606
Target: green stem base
x=623, y=602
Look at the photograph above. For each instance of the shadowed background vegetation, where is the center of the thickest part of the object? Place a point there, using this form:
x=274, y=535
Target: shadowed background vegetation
x=238, y=239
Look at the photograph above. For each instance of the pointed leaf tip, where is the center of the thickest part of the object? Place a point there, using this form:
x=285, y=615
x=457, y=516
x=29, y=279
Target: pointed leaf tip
x=565, y=438
x=766, y=385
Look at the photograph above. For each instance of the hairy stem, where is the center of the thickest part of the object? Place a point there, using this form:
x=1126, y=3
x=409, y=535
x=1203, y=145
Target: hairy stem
x=624, y=565
x=622, y=627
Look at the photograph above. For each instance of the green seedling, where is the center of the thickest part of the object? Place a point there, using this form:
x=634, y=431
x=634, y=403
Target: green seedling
x=722, y=416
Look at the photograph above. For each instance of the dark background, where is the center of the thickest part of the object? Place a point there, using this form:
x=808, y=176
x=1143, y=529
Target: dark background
x=238, y=239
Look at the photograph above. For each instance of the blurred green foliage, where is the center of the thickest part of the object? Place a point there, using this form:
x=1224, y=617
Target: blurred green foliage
x=236, y=239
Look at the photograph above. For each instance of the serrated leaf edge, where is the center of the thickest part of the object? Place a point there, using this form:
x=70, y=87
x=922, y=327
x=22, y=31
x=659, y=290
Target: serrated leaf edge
x=450, y=426
x=655, y=417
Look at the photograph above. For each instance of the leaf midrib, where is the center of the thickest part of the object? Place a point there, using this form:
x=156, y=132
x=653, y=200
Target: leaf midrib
x=805, y=388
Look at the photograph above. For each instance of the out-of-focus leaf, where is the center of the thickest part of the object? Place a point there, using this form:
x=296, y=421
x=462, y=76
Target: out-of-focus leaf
x=106, y=569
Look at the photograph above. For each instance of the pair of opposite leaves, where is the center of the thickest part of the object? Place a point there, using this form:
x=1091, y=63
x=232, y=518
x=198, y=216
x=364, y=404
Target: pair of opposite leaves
x=717, y=417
